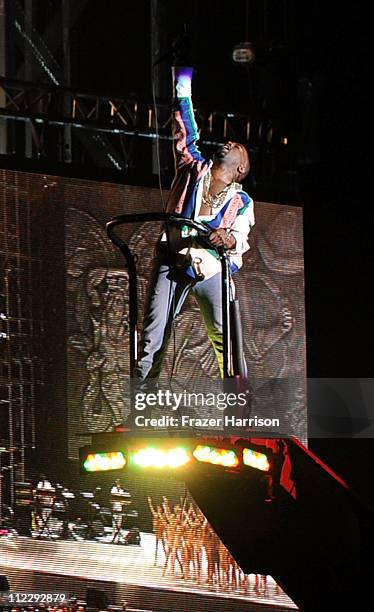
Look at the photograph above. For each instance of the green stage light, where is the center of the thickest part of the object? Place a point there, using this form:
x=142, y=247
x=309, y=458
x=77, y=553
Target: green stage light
x=150, y=457
x=104, y=462
x=216, y=456
x=255, y=459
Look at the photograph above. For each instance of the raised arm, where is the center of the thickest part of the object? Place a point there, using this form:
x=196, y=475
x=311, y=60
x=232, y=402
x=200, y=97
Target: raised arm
x=153, y=511
x=185, y=132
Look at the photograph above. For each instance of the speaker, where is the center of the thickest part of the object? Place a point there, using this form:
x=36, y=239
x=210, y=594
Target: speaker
x=97, y=599
x=4, y=583
x=23, y=521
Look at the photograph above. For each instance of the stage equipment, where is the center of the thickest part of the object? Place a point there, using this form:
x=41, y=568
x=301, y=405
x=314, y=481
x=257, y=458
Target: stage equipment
x=104, y=115
x=233, y=363
x=62, y=512
x=104, y=462
x=24, y=504
x=7, y=518
x=255, y=459
x=119, y=500
x=149, y=457
x=4, y=583
x=244, y=53
x=305, y=528
x=44, y=504
x=86, y=522
x=165, y=454
x=23, y=494
x=216, y=456
x=290, y=516
x=97, y=599
x=84, y=515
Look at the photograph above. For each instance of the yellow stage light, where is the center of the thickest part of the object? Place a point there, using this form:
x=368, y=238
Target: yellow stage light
x=103, y=462
x=255, y=459
x=216, y=456
x=151, y=457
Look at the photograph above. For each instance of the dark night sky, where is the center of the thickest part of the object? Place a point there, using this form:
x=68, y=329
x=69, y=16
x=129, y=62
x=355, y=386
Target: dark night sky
x=111, y=47
x=114, y=52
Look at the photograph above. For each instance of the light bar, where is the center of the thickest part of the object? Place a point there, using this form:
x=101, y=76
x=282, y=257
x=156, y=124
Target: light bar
x=255, y=459
x=216, y=456
x=103, y=462
x=151, y=457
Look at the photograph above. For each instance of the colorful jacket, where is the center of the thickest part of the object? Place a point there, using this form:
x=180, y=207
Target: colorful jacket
x=236, y=211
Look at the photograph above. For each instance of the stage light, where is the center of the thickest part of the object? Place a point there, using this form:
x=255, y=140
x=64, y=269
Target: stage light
x=255, y=459
x=103, y=462
x=216, y=456
x=151, y=457
x=244, y=53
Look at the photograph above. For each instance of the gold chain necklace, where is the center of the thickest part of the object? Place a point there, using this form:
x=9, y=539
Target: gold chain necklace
x=213, y=201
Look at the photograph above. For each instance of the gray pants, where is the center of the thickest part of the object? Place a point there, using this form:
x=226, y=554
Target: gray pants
x=166, y=296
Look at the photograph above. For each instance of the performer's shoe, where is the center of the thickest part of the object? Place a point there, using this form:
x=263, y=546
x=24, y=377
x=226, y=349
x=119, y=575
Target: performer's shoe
x=146, y=385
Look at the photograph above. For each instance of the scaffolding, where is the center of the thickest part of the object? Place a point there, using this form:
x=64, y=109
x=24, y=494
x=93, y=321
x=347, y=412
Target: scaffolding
x=21, y=318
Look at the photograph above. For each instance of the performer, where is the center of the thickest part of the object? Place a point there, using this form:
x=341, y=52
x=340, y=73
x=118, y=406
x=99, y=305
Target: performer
x=44, y=502
x=208, y=191
x=117, y=488
x=159, y=526
x=119, y=498
x=44, y=483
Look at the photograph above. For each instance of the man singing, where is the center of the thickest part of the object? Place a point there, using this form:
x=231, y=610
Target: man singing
x=208, y=191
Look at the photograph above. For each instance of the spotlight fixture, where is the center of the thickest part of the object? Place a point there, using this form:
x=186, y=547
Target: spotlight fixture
x=216, y=456
x=159, y=454
x=151, y=457
x=104, y=462
x=255, y=459
x=244, y=53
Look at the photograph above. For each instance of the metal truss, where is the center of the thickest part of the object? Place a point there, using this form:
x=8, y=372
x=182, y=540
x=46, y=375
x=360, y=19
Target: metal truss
x=108, y=131
x=70, y=125
x=21, y=330
x=51, y=105
x=38, y=53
